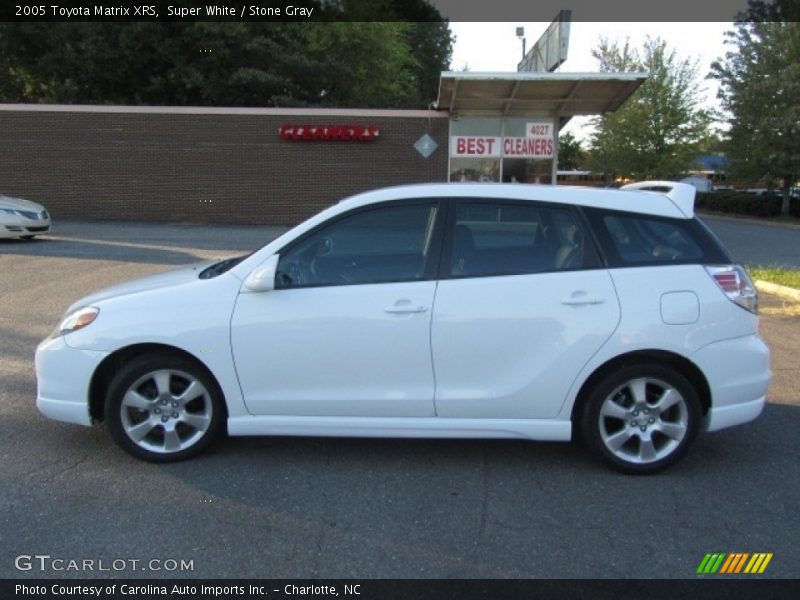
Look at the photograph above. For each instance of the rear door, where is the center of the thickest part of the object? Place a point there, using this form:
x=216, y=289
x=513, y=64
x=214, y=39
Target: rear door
x=521, y=307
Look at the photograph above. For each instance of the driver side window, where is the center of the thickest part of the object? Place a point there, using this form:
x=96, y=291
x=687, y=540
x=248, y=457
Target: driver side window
x=375, y=245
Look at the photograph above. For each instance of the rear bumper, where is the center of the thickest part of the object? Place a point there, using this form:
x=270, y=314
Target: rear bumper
x=728, y=416
x=62, y=378
x=738, y=376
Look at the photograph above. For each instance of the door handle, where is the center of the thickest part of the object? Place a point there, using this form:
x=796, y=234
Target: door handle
x=404, y=307
x=581, y=298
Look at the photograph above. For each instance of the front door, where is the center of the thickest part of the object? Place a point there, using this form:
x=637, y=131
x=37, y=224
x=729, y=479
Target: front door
x=346, y=332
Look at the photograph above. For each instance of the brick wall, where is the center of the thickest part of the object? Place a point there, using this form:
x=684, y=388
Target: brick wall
x=203, y=168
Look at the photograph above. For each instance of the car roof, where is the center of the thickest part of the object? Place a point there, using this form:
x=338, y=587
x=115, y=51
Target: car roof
x=677, y=202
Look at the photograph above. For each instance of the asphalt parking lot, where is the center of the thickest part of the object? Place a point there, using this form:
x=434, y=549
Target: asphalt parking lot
x=324, y=508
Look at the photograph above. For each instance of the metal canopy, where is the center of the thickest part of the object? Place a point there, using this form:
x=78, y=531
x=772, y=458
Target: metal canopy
x=535, y=94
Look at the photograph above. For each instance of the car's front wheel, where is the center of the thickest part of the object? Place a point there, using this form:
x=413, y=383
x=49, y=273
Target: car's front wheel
x=164, y=408
x=641, y=418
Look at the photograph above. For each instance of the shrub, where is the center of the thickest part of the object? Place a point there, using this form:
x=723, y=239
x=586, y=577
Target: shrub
x=743, y=203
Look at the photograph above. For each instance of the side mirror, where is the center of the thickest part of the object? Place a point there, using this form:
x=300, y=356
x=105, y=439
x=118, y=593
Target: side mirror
x=262, y=279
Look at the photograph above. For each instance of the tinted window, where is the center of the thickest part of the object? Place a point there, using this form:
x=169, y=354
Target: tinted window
x=506, y=239
x=633, y=239
x=390, y=243
x=638, y=239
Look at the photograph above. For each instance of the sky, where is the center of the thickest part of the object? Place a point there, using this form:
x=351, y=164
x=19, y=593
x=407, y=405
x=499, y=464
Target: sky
x=495, y=47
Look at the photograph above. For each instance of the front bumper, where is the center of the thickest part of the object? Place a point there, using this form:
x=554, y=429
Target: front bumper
x=738, y=376
x=63, y=375
x=24, y=227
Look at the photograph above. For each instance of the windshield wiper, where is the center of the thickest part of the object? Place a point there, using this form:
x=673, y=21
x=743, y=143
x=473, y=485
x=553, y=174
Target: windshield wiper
x=220, y=267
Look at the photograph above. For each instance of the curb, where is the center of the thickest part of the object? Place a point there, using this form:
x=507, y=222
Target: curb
x=777, y=290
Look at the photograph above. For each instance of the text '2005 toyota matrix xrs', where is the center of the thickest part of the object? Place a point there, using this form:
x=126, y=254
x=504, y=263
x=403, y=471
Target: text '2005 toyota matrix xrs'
x=436, y=310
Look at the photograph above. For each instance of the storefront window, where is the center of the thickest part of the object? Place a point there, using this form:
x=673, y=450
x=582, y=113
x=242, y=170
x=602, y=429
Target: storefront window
x=475, y=169
x=518, y=170
x=511, y=150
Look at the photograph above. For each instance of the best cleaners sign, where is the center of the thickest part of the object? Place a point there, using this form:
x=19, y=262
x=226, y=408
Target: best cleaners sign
x=538, y=143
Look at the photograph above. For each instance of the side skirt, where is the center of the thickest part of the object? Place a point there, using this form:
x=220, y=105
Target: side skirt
x=410, y=427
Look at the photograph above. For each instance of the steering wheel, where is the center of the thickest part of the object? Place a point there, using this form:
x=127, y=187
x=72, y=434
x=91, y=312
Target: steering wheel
x=330, y=275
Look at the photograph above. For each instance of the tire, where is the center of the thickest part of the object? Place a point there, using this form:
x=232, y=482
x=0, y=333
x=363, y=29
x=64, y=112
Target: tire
x=164, y=408
x=28, y=237
x=641, y=418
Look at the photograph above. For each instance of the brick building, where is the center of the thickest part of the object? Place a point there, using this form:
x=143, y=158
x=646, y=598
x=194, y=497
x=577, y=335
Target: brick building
x=232, y=166
x=203, y=165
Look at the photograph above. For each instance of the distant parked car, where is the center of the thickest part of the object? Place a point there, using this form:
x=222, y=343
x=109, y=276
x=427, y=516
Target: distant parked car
x=471, y=310
x=22, y=218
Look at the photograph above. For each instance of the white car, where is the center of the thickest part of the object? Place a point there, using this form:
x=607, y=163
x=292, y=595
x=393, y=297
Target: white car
x=436, y=310
x=22, y=218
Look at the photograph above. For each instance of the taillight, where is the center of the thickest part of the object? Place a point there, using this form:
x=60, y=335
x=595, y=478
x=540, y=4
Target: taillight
x=734, y=281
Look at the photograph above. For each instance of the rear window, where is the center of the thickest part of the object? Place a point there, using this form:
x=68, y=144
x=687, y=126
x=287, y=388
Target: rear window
x=630, y=239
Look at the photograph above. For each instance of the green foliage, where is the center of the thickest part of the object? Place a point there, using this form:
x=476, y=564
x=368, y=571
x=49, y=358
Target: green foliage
x=778, y=10
x=788, y=277
x=351, y=55
x=431, y=45
x=743, y=203
x=425, y=35
x=760, y=90
x=660, y=130
x=357, y=64
x=571, y=155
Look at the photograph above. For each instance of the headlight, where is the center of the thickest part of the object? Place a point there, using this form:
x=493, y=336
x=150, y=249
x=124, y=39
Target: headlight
x=77, y=319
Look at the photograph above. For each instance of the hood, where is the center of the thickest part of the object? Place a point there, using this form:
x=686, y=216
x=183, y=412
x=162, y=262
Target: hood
x=167, y=279
x=19, y=204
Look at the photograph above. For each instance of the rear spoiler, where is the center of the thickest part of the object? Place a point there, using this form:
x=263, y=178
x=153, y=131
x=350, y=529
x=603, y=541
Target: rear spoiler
x=681, y=194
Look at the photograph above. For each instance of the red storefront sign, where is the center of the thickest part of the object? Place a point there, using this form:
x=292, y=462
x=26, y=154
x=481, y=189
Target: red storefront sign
x=475, y=146
x=341, y=133
x=528, y=147
x=509, y=147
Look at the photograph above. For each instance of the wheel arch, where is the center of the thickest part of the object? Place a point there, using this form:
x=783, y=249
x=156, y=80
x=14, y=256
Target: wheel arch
x=680, y=363
x=111, y=364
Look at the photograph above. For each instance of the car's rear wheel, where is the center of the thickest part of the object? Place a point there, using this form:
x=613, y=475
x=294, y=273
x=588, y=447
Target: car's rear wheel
x=641, y=418
x=164, y=408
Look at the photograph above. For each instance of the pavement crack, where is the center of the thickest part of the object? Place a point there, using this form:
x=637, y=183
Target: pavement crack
x=46, y=475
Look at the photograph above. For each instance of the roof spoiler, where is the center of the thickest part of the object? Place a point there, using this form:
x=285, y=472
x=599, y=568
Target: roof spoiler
x=681, y=194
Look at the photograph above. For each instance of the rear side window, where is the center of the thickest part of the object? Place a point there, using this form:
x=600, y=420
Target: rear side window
x=631, y=239
x=504, y=238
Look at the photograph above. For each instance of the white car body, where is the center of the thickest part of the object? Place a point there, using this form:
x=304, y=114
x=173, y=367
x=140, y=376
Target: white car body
x=22, y=218
x=506, y=356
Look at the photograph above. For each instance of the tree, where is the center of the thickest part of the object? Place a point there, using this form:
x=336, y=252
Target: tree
x=356, y=59
x=660, y=130
x=427, y=35
x=330, y=62
x=571, y=154
x=240, y=64
x=760, y=90
x=431, y=46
